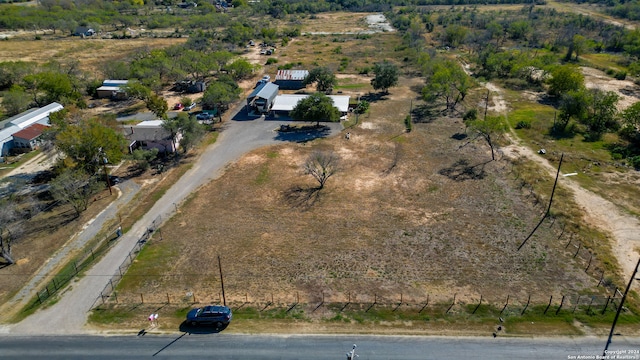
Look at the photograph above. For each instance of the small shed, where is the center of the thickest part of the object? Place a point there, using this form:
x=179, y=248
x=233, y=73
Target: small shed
x=151, y=134
x=261, y=99
x=291, y=79
x=112, y=89
x=28, y=138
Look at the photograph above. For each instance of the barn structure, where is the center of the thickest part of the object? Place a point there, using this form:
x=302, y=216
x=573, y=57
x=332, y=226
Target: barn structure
x=262, y=97
x=291, y=79
x=22, y=121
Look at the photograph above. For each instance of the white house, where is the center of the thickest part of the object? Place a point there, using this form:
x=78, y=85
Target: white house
x=151, y=135
x=283, y=104
x=22, y=121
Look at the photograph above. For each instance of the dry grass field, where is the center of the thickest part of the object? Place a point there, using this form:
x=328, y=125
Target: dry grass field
x=91, y=54
x=419, y=215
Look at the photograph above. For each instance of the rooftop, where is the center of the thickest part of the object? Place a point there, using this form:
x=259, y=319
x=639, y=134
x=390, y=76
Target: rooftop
x=31, y=132
x=288, y=101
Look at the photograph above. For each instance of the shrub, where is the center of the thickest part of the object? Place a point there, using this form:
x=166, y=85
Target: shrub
x=409, y=124
x=523, y=124
x=471, y=114
x=635, y=162
x=620, y=75
x=272, y=61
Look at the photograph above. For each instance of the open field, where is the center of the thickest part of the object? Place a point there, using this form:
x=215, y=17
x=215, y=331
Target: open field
x=419, y=215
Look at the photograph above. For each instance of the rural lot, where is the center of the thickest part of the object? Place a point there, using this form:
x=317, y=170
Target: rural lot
x=419, y=231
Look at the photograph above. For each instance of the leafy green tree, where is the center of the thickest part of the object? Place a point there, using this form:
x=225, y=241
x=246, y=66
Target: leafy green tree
x=602, y=113
x=156, y=104
x=565, y=78
x=447, y=81
x=49, y=86
x=454, y=35
x=386, y=76
x=316, y=107
x=322, y=165
x=519, y=30
x=190, y=129
x=186, y=101
x=15, y=101
x=12, y=72
x=490, y=129
x=323, y=77
x=240, y=69
x=220, y=59
x=143, y=158
x=220, y=94
x=631, y=122
x=573, y=105
x=495, y=31
x=88, y=143
x=74, y=187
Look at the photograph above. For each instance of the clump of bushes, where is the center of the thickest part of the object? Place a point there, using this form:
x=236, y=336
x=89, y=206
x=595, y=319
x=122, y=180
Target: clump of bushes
x=523, y=124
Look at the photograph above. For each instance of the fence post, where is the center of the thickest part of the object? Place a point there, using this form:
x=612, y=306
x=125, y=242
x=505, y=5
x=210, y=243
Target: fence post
x=545, y=310
x=569, y=243
x=590, y=302
x=115, y=295
x=606, y=304
x=480, y=303
x=48, y=293
x=601, y=278
x=577, y=251
x=39, y=300
x=560, y=307
x=425, y=305
x=526, y=306
x=168, y=300
x=577, y=303
x=589, y=264
x=194, y=298
x=453, y=303
x=75, y=266
x=55, y=286
x=93, y=256
x=141, y=298
x=505, y=305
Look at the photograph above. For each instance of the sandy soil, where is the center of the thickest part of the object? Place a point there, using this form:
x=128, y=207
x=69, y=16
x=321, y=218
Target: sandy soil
x=626, y=89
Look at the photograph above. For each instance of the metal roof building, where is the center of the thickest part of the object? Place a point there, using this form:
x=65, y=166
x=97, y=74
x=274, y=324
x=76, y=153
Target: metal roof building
x=291, y=79
x=261, y=99
x=288, y=101
x=39, y=115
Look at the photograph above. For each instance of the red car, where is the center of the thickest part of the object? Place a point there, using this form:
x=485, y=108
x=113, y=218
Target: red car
x=178, y=106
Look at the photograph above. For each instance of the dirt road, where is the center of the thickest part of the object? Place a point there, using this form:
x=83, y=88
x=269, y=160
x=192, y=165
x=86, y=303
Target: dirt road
x=624, y=228
x=70, y=313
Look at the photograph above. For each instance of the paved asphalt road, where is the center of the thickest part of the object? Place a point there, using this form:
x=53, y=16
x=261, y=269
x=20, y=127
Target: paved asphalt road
x=239, y=136
x=223, y=346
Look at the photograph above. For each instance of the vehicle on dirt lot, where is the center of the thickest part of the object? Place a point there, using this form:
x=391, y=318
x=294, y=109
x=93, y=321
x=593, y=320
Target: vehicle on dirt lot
x=204, y=116
x=217, y=315
x=178, y=106
x=190, y=107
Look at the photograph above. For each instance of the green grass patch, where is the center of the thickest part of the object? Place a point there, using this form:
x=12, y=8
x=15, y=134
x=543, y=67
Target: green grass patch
x=263, y=175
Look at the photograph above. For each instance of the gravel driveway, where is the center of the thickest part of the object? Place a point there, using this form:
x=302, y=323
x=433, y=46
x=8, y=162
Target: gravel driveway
x=238, y=136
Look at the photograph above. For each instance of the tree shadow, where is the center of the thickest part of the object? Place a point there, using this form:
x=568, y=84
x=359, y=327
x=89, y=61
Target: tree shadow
x=299, y=197
x=459, y=136
x=424, y=114
x=373, y=97
x=303, y=134
x=462, y=171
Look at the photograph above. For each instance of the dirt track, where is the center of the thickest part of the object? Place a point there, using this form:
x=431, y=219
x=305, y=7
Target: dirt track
x=624, y=228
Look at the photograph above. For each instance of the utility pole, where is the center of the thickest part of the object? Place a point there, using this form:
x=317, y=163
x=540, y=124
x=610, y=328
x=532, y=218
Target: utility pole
x=224, y=299
x=104, y=167
x=615, y=319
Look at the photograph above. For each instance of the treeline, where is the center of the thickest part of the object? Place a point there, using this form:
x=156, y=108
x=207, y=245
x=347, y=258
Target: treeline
x=534, y=48
x=66, y=15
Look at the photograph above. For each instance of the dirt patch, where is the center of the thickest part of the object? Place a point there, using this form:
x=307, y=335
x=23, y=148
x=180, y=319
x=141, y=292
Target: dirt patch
x=628, y=91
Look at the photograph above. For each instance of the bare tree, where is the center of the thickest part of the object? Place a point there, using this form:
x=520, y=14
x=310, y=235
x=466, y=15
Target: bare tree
x=8, y=216
x=74, y=187
x=322, y=165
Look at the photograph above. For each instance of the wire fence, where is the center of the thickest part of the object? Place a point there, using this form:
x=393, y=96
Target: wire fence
x=340, y=302
x=109, y=289
x=87, y=258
